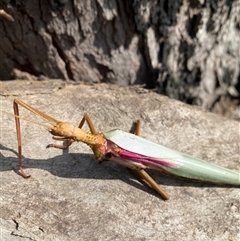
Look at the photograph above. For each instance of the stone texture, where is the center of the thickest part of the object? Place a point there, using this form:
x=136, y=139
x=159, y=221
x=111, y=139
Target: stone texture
x=69, y=196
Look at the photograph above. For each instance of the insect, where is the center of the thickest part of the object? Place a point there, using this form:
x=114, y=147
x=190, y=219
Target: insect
x=6, y=15
x=129, y=150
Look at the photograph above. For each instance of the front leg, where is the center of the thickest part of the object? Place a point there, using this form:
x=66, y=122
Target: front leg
x=19, y=139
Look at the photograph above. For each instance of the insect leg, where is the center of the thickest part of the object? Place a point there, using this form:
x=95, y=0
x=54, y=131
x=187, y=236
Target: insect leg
x=142, y=174
x=90, y=124
x=19, y=140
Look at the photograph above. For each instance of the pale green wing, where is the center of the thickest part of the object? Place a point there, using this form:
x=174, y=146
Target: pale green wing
x=183, y=165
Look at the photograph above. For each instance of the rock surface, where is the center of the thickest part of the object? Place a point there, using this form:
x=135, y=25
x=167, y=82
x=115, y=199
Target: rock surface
x=69, y=196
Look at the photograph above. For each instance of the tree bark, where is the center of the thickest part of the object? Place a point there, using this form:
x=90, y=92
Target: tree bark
x=189, y=50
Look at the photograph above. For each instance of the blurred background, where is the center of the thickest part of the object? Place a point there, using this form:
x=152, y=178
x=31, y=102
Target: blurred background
x=188, y=50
